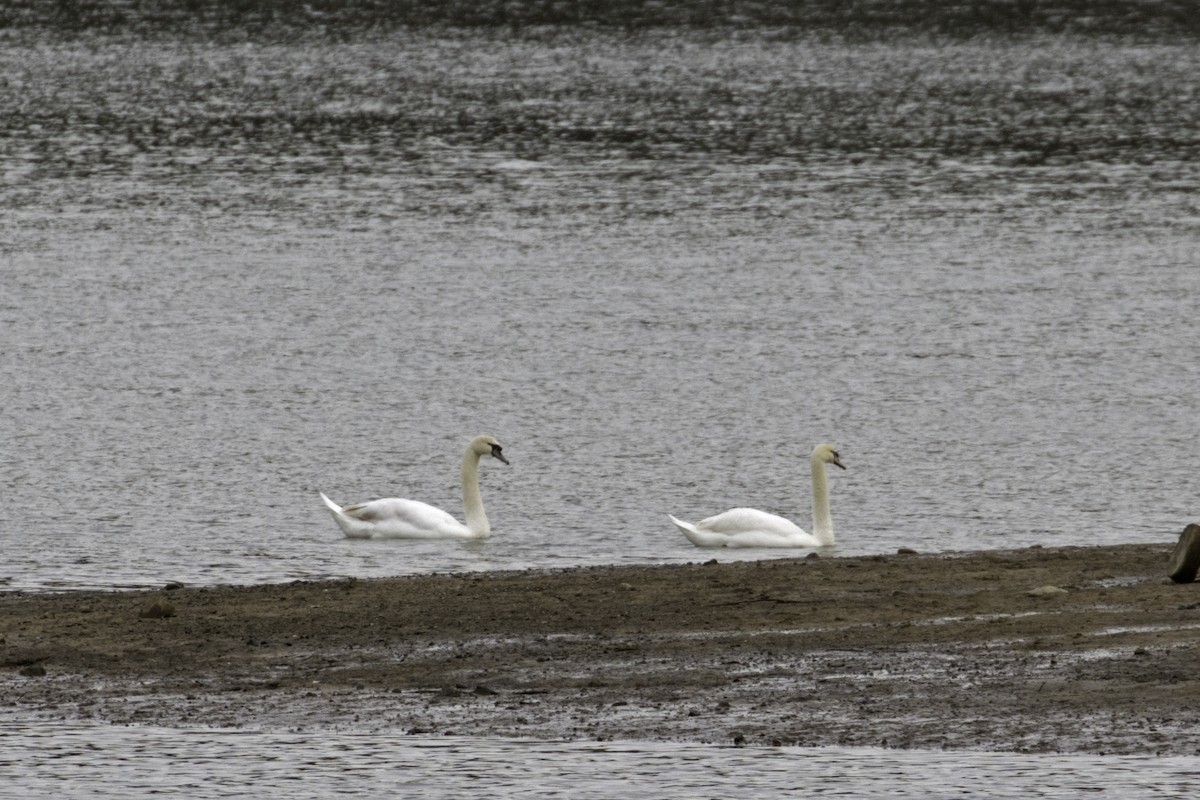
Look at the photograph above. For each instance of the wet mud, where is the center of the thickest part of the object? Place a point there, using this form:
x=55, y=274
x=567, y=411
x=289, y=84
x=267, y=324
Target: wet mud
x=1041, y=649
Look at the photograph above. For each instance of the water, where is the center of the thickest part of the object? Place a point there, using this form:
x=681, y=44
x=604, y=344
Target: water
x=94, y=762
x=659, y=266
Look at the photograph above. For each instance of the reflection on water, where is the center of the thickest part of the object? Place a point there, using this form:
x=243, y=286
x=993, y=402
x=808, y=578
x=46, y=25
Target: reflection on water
x=43, y=760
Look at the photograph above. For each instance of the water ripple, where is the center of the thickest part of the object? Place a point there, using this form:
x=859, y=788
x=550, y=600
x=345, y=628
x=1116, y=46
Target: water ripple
x=47, y=760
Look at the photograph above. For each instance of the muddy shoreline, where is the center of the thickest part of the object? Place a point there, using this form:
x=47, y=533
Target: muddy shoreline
x=1041, y=649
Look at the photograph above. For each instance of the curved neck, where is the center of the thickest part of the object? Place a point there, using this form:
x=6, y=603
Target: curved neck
x=822, y=519
x=477, y=521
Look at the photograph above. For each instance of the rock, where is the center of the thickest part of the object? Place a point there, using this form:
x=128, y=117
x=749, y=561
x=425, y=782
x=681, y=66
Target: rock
x=34, y=671
x=1045, y=591
x=906, y=551
x=1185, y=560
x=157, y=608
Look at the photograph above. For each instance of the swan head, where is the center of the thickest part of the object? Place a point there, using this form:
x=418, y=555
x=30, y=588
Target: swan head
x=825, y=454
x=487, y=446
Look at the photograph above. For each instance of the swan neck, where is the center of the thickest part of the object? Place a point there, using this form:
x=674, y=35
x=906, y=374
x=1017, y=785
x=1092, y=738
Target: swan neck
x=822, y=519
x=477, y=520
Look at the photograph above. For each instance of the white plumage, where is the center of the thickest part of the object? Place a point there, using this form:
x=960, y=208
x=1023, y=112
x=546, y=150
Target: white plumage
x=397, y=518
x=749, y=527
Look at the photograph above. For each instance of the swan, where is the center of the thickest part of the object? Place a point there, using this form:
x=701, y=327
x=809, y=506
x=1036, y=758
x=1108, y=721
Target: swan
x=395, y=518
x=749, y=527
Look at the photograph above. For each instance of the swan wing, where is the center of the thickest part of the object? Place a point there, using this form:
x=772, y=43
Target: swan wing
x=394, y=508
x=741, y=520
x=748, y=527
x=398, y=518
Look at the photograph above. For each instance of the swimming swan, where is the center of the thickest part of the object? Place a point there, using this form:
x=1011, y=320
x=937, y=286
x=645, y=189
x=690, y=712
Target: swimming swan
x=749, y=527
x=394, y=518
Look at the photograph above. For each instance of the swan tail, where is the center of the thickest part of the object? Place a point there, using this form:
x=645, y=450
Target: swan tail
x=684, y=527
x=698, y=537
x=332, y=506
x=345, y=523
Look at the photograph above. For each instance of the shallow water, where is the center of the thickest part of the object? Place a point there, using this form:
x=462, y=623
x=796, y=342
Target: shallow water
x=659, y=268
x=91, y=761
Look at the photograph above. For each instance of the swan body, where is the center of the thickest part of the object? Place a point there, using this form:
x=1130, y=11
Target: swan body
x=397, y=518
x=749, y=527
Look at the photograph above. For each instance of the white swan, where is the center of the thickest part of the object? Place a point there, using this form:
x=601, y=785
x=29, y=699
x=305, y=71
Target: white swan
x=749, y=527
x=394, y=518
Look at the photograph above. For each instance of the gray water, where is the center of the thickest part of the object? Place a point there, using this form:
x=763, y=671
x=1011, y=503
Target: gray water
x=96, y=762
x=235, y=275
x=659, y=268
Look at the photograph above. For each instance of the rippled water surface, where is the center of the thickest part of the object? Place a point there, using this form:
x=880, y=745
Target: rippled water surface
x=659, y=267
x=145, y=762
